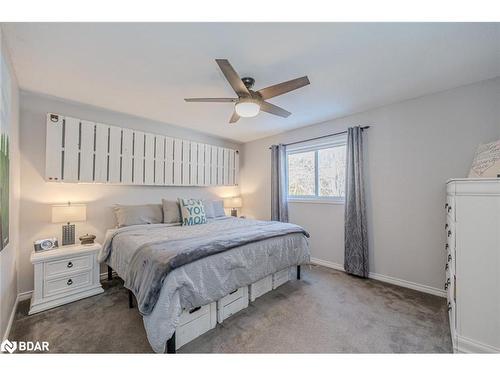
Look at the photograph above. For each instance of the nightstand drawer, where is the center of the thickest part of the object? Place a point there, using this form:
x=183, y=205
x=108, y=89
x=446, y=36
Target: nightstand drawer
x=68, y=265
x=67, y=283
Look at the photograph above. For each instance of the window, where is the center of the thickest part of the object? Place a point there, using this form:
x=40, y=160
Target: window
x=316, y=172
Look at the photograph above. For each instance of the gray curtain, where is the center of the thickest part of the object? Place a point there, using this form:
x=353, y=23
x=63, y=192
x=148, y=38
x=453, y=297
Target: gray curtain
x=279, y=200
x=356, y=236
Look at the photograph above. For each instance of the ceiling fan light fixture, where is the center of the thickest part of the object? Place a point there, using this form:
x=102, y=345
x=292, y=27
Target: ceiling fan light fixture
x=247, y=108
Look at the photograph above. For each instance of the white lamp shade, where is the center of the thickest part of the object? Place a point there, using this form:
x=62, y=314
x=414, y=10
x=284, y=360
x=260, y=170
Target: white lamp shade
x=234, y=202
x=69, y=213
x=247, y=108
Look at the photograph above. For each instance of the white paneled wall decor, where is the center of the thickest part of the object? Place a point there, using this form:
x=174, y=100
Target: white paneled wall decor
x=83, y=151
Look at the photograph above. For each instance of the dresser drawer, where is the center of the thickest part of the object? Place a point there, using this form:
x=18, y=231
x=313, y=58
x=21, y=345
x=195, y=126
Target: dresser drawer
x=192, y=314
x=234, y=295
x=261, y=287
x=68, y=265
x=66, y=284
x=225, y=309
x=281, y=277
x=195, y=324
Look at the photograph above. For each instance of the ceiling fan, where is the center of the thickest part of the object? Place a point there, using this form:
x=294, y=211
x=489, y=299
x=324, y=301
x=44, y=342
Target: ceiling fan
x=249, y=102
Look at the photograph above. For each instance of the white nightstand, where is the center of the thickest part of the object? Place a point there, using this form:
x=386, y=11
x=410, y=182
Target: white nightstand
x=64, y=275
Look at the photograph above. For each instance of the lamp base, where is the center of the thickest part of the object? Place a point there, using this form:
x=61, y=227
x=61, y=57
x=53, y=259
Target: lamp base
x=68, y=234
x=234, y=212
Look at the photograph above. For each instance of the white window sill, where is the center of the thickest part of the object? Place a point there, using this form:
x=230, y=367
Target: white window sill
x=317, y=201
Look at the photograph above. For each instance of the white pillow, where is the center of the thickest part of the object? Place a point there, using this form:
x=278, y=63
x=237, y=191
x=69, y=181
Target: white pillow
x=192, y=211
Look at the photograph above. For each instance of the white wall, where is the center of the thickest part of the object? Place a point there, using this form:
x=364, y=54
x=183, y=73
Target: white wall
x=37, y=195
x=412, y=148
x=8, y=256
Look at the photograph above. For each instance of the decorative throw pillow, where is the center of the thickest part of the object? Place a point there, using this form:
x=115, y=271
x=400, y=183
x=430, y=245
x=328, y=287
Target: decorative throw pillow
x=209, y=209
x=139, y=214
x=192, y=211
x=171, y=212
x=218, y=207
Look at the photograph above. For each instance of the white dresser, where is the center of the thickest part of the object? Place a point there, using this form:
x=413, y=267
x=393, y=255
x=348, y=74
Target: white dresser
x=473, y=264
x=64, y=275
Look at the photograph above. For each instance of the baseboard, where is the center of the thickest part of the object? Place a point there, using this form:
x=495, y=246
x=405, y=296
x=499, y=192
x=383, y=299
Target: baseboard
x=326, y=263
x=386, y=279
x=24, y=296
x=11, y=320
x=466, y=345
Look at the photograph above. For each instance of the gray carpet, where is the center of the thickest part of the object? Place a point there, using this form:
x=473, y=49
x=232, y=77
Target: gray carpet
x=325, y=312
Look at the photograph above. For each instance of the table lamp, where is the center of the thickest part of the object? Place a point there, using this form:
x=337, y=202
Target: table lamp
x=233, y=203
x=68, y=213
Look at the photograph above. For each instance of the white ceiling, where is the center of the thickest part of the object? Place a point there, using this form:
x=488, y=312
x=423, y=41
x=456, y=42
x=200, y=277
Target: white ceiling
x=147, y=69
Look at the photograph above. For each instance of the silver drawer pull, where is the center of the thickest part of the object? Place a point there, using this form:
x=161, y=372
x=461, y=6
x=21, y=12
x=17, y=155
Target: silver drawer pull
x=69, y=282
x=70, y=264
x=194, y=310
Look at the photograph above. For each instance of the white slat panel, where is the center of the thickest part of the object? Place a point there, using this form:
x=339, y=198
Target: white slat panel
x=231, y=167
x=193, y=165
x=87, y=151
x=220, y=166
x=169, y=161
x=226, y=166
x=177, y=162
x=213, y=165
x=185, y=162
x=160, y=160
x=208, y=158
x=201, y=164
x=138, y=158
x=71, y=141
x=149, y=159
x=127, y=156
x=101, y=153
x=53, y=148
x=236, y=168
x=115, y=140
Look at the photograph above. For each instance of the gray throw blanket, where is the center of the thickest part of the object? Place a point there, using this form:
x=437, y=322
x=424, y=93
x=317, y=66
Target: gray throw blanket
x=152, y=261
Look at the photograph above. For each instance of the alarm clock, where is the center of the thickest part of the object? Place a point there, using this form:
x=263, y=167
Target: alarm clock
x=45, y=244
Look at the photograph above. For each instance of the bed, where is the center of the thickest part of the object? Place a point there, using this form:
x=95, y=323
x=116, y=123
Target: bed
x=172, y=268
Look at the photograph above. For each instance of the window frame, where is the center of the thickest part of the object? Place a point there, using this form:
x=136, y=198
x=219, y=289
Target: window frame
x=332, y=142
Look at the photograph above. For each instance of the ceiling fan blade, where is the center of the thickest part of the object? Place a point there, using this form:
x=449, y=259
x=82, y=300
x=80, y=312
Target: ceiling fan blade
x=235, y=117
x=212, y=100
x=274, y=109
x=284, y=87
x=232, y=77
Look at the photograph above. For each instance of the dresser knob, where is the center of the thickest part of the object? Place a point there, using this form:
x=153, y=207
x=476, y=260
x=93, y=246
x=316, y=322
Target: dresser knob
x=69, y=282
x=449, y=257
x=70, y=264
x=449, y=233
x=449, y=306
x=446, y=206
x=446, y=226
x=446, y=246
x=447, y=266
x=449, y=208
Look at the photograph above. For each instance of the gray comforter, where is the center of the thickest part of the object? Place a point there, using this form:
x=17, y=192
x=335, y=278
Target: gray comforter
x=152, y=261
x=207, y=279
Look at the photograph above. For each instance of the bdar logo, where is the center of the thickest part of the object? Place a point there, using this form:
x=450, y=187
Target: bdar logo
x=8, y=346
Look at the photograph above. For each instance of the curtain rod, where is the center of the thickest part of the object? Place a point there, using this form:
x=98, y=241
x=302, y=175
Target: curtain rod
x=322, y=136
